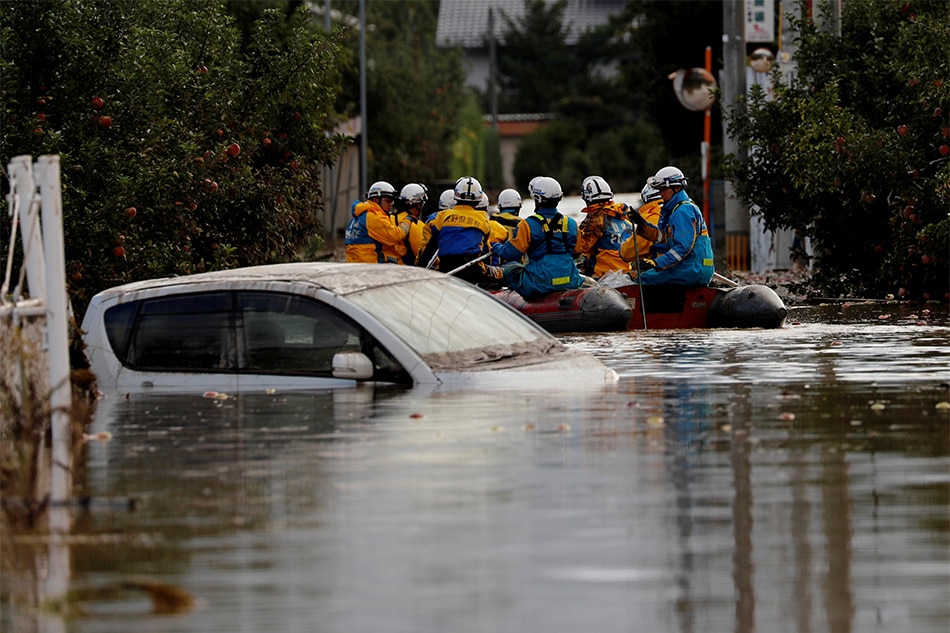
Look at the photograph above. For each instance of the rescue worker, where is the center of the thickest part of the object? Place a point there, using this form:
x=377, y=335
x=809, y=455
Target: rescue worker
x=507, y=216
x=446, y=201
x=548, y=239
x=682, y=251
x=601, y=234
x=372, y=234
x=412, y=199
x=484, y=203
x=499, y=233
x=509, y=208
x=460, y=235
x=636, y=246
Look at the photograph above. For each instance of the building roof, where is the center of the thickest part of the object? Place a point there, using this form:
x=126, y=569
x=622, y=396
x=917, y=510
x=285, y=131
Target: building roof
x=465, y=22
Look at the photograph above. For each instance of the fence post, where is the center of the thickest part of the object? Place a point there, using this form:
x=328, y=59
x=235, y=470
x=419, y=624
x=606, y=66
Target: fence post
x=57, y=326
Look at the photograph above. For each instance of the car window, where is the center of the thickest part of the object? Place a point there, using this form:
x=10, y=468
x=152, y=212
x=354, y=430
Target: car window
x=288, y=334
x=246, y=332
x=445, y=316
x=181, y=333
x=297, y=335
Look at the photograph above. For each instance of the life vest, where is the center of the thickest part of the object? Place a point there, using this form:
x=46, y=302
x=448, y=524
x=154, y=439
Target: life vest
x=556, y=224
x=359, y=245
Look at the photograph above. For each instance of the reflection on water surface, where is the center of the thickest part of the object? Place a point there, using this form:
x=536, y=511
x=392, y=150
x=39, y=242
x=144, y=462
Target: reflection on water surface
x=790, y=480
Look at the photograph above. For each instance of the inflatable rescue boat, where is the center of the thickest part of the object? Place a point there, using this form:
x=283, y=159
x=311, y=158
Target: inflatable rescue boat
x=604, y=309
x=596, y=309
x=679, y=307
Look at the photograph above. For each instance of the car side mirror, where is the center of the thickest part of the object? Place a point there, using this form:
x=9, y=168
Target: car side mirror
x=352, y=365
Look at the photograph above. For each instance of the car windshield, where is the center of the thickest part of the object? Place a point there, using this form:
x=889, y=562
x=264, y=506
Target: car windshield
x=450, y=323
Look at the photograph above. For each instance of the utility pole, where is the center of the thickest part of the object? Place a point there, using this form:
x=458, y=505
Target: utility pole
x=733, y=85
x=492, y=69
x=364, y=127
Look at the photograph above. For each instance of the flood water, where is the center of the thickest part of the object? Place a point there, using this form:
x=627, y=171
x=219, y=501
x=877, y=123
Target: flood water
x=793, y=480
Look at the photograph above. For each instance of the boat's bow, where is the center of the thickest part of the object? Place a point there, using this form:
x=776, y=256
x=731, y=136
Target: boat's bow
x=748, y=306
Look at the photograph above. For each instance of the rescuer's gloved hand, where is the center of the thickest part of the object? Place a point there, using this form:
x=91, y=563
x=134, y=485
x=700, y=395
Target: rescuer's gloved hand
x=647, y=264
x=634, y=216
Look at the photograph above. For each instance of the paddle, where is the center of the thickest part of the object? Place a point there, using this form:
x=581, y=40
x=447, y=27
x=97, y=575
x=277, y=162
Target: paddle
x=726, y=280
x=643, y=309
x=431, y=263
x=466, y=265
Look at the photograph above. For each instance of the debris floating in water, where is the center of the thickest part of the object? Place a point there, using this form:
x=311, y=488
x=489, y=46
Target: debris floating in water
x=942, y=406
x=788, y=416
x=101, y=436
x=878, y=406
x=417, y=416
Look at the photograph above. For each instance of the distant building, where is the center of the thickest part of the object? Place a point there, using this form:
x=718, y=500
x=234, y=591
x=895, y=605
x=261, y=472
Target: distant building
x=465, y=23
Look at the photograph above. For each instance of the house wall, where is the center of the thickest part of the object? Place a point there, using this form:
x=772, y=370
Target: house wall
x=340, y=183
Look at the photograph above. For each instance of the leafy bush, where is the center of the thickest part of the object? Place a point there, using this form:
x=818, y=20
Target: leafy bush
x=570, y=151
x=181, y=150
x=855, y=151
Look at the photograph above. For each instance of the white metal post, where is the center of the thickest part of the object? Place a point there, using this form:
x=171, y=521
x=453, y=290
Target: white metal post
x=57, y=325
x=21, y=168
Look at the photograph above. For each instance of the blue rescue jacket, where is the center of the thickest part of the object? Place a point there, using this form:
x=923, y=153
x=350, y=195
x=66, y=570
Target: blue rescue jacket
x=684, y=256
x=548, y=238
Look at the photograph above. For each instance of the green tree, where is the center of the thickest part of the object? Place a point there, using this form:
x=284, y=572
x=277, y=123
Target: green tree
x=535, y=68
x=854, y=152
x=617, y=115
x=415, y=91
x=179, y=152
x=655, y=38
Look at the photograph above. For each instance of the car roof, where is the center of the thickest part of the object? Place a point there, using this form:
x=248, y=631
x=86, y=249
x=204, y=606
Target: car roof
x=336, y=277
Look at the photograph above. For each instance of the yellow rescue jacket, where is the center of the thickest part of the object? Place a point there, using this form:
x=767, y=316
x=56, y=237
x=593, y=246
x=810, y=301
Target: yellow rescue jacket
x=374, y=236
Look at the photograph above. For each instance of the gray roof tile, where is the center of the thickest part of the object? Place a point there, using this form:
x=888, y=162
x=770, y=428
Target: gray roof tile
x=465, y=22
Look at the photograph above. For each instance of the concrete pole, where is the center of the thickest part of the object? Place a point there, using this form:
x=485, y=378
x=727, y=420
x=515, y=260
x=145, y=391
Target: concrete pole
x=733, y=84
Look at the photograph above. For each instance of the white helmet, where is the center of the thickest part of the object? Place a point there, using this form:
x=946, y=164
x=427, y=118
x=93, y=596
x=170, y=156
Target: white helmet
x=468, y=190
x=667, y=177
x=484, y=203
x=595, y=189
x=531, y=184
x=509, y=199
x=447, y=199
x=381, y=189
x=413, y=194
x=546, y=192
x=649, y=194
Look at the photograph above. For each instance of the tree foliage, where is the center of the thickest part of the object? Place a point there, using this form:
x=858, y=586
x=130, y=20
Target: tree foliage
x=855, y=151
x=415, y=91
x=535, y=67
x=656, y=38
x=183, y=148
x=616, y=113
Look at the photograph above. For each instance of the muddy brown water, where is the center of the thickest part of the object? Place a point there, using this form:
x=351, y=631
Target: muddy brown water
x=735, y=480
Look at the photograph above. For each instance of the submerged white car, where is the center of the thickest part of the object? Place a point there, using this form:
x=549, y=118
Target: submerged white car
x=317, y=326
